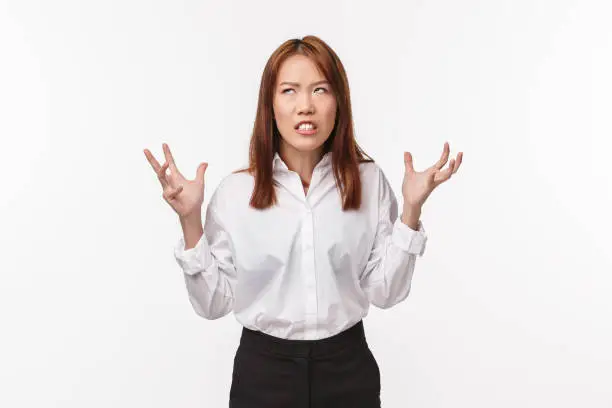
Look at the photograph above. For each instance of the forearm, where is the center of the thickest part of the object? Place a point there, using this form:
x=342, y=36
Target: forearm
x=390, y=282
x=192, y=229
x=410, y=216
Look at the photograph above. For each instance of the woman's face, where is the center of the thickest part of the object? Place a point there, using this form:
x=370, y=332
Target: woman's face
x=303, y=94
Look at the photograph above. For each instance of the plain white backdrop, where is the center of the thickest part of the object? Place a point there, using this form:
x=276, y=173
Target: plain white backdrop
x=511, y=304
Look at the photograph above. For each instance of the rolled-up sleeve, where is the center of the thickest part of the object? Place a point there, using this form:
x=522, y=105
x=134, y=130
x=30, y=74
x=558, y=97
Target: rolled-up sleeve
x=208, y=267
x=387, y=277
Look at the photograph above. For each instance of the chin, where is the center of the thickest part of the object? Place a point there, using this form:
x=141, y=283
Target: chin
x=307, y=145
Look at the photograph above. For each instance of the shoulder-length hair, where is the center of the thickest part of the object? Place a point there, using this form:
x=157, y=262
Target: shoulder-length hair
x=346, y=154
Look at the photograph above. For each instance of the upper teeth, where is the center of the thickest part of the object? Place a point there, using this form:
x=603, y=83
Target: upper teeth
x=306, y=126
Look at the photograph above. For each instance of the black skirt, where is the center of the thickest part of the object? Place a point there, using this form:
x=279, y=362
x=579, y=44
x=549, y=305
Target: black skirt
x=335, y=372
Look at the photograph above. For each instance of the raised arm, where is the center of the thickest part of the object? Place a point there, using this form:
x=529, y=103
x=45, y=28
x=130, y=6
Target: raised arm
x=387, y=277
x=208, y=267
x=204, y=253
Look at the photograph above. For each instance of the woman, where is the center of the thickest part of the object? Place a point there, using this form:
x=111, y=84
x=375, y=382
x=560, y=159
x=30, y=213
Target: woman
x=300, y=243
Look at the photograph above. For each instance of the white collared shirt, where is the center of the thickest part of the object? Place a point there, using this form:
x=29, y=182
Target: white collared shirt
x=302, y=269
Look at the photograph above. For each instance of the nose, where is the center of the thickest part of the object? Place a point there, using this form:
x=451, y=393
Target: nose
x=304, y=104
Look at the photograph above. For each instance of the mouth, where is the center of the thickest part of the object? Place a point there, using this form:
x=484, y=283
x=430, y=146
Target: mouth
x=306, y=128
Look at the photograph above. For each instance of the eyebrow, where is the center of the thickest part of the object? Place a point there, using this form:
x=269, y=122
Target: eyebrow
x=296, y=84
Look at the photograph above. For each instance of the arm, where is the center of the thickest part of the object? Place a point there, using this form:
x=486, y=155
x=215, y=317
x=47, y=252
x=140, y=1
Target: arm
x=208, y=267
x=387, y=276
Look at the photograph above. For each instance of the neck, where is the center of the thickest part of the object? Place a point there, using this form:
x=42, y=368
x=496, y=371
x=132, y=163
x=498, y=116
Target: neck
x=303, y=163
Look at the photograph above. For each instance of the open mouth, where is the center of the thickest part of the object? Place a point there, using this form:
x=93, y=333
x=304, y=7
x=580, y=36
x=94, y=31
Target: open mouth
x=306, y=128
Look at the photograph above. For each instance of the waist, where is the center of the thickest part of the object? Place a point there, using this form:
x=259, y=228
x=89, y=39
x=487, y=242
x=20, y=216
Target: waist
x=263, y=342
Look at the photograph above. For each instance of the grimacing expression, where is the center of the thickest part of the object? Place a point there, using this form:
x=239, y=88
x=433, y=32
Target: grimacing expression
x=303, y=94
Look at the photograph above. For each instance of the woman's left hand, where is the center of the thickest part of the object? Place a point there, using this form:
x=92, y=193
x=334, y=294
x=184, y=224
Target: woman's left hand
x=417, y=186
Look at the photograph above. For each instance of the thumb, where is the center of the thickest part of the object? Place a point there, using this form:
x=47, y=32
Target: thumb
x=408, y=162
x=200, y=172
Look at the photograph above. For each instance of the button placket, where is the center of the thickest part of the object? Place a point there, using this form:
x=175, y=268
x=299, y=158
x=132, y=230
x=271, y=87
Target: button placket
x=308, y=271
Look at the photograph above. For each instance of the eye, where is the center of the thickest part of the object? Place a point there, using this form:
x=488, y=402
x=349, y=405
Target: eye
x=291, y=89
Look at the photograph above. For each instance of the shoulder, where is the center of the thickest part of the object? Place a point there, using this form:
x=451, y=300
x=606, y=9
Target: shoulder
x=233, y=183
x=367, y=165
x=224, y=205
x=372, y=174
x=233, y=186
x=375, y=183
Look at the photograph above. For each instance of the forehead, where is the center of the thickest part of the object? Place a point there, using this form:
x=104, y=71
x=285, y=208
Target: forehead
x=299, y=68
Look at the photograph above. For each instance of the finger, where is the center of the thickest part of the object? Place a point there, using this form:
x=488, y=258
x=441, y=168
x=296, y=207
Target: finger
x=170, y=159
x=432, y=173
x=162, y=176
x=154, y=163
x=172, y=195
x=444, y=157
x=200, y=172
x=458, y=162
x=451, y=167
x=442, y=176
x=408, y=162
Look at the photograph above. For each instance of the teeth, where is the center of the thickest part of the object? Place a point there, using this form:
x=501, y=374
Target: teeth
x=305, y=126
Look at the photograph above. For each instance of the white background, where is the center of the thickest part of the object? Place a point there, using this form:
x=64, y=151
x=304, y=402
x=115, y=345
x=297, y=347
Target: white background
x=511, y=305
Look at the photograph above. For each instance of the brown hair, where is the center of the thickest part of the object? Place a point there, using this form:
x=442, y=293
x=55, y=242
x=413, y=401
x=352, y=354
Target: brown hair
x=265, y=139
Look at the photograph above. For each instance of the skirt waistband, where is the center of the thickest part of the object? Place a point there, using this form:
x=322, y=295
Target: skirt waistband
x=259, y=341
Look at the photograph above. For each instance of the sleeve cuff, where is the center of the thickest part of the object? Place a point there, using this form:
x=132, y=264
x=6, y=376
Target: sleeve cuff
x=193, y=260
x=409, y=240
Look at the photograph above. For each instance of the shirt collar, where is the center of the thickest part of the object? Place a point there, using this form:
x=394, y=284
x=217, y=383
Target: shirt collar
x=279, y=164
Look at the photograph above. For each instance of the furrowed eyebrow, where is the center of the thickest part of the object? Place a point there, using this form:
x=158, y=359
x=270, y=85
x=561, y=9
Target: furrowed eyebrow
x=297, y=85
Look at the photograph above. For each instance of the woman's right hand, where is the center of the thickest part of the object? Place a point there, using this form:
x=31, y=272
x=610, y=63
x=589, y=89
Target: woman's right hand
x=184, y=196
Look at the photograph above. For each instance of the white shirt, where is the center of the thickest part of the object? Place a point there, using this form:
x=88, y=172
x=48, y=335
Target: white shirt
x=302, y=269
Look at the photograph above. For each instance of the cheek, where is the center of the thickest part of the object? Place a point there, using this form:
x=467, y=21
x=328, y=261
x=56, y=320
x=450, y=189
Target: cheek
x=282, y=116
x=330, y=112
